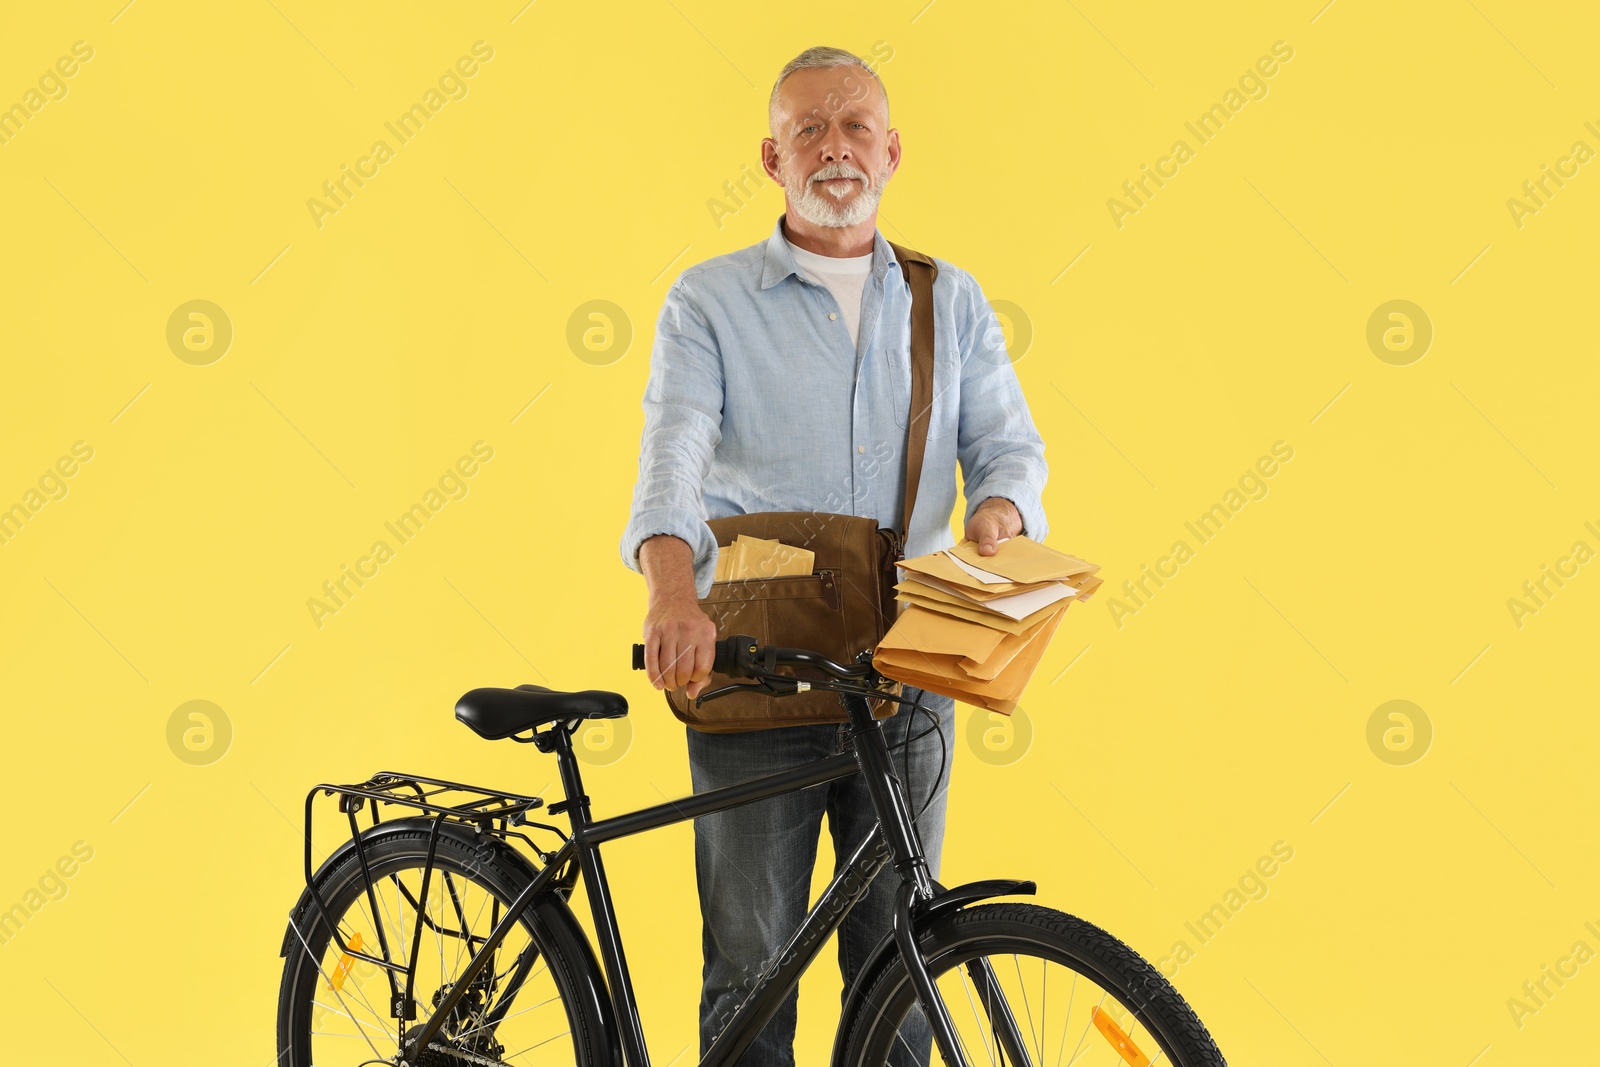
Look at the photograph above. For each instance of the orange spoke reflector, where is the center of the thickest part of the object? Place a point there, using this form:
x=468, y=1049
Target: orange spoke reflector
x=1119, y=1040
x=346, y=961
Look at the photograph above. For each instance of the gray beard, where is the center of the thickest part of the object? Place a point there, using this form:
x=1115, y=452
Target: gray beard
x=819, y=209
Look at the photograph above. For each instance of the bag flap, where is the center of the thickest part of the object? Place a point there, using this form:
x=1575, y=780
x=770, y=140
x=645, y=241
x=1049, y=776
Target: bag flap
x=835, y=539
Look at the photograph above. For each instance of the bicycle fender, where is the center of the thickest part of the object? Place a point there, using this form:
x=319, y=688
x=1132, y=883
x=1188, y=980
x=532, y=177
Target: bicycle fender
x=594, y=988
x=962, y=895
x=922, y=917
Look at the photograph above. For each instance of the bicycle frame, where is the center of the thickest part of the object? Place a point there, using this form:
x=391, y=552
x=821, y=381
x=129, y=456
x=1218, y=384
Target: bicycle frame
x=895, y=841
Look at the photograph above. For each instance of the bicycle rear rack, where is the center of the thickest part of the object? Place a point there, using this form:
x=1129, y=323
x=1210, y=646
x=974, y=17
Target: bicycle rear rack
x=491, y=813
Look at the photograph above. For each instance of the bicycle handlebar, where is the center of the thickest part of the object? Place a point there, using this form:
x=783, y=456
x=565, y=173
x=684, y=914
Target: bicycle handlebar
x=740, y=656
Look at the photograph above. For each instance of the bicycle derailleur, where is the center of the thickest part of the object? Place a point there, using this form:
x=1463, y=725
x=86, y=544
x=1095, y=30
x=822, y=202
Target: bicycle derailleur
x=464, y=1040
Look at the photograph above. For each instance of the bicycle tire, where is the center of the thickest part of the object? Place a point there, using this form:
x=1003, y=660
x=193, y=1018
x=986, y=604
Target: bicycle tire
x=874, y=1035
x=488, y=868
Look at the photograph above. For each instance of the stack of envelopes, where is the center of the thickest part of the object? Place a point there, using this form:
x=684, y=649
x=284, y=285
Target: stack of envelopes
x=757, y=557
x=975, y=627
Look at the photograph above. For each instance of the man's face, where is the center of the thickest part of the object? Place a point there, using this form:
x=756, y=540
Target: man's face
x=832, y=148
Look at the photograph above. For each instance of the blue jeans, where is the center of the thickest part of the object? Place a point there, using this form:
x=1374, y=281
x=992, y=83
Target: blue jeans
x=753, y=863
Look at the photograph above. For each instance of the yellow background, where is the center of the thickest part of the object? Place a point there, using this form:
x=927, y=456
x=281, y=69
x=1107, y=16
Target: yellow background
x=1167, y=754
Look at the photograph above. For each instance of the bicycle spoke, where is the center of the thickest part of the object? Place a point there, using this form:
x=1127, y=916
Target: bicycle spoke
x=1008, y=1037
x=461, y=924
x=489, y=964
x=1017, y=963
x=901, y=1037
x=360, y=1034
x=513, y=1015
x=465, y=944
x=1004, y=1040
x=399, y=936
x=1022, y=1014
x=1044, y=1004
x=1087, y=1026
x=337, y=993
x=967, y=987
x=1066, y=1020
x=383, y=903
x=530, y=1048
x=362, y=993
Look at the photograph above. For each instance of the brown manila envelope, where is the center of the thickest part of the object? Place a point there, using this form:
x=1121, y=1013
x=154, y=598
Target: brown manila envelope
x=976, y=627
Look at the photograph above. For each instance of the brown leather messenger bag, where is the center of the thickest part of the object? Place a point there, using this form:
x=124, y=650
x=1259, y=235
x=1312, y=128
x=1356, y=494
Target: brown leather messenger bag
x=848, y=603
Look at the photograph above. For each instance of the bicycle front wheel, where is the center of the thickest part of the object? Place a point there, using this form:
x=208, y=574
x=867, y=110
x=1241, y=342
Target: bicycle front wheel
x=1028, y=986
x=526, y=1007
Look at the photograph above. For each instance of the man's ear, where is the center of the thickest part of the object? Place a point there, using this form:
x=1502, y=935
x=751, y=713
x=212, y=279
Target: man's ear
x=771, y=159
x=894, y=151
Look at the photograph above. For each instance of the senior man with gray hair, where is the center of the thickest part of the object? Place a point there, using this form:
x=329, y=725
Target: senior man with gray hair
x=780, y=381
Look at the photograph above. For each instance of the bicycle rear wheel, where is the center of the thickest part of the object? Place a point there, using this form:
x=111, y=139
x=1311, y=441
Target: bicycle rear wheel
x=526, y=1008
x=1028, y=986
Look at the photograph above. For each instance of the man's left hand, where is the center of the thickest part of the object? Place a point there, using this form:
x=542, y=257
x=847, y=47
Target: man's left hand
x=994, y=519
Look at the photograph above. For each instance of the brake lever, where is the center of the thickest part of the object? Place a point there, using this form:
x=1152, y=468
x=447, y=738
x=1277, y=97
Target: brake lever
x=762, y=686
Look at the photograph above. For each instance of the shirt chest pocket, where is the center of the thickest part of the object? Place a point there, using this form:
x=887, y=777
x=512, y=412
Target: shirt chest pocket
x=945, y=416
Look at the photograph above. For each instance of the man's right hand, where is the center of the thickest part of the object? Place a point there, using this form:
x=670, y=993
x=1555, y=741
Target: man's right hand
x=679, y=645
x=679, y=637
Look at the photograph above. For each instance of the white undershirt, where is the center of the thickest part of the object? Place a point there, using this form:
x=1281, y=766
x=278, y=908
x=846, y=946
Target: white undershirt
x=844, y=276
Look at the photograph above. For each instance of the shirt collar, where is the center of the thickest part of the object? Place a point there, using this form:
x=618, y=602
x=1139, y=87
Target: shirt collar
x=779, y=263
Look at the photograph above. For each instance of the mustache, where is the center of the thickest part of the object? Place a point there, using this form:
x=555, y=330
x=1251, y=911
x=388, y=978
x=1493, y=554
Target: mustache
x=838, y=170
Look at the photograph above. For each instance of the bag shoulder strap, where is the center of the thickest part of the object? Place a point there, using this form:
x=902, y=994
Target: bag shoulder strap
x=919, y=271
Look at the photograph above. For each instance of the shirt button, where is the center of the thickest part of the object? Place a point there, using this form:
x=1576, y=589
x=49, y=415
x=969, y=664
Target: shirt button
x=833, y=314
x=861, y=448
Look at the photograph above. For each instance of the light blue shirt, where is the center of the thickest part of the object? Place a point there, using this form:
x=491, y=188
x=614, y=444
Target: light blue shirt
x=758, y=401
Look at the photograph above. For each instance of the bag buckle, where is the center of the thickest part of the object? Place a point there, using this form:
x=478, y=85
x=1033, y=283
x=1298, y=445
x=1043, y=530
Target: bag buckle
x=830, y=588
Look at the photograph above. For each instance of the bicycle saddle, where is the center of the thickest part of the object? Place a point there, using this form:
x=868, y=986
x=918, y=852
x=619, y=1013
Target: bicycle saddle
x=498, y=713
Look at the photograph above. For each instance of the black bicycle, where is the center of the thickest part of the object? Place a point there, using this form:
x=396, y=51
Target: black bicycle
x=442, y=933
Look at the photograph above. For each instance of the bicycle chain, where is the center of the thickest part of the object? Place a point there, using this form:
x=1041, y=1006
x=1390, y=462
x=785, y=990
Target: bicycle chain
x=438, y=1055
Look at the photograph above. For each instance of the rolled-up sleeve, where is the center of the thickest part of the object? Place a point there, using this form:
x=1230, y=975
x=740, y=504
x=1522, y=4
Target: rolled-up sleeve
x=1000, y=450
x=682, y=427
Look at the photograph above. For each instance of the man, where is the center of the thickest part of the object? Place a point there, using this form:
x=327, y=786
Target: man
x=780, y=381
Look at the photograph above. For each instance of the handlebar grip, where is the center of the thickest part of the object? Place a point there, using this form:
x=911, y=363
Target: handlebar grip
x=725, y=657
x=739, y=656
